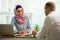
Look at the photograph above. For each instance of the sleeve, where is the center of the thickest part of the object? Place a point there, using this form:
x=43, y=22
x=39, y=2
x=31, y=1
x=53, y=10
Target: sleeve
x=28, y=25
x=47, y=25
x=13, y=22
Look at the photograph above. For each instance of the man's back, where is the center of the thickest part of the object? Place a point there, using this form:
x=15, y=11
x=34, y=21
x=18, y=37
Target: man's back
x=54, y=31
x=51, y=28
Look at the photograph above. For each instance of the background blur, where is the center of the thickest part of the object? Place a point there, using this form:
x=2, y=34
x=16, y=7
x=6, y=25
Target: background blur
x=34, y=9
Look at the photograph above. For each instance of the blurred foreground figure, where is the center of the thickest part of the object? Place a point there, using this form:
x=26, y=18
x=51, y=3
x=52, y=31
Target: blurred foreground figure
x=51, y=27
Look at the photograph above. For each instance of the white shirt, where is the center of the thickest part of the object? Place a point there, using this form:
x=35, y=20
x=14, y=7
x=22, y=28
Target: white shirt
x=51, y=28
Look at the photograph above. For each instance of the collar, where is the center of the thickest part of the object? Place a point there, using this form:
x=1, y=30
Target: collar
x=52, y=13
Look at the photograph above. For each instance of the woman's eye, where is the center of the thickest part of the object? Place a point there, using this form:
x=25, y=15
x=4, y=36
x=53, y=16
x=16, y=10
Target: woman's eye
x=17, y=11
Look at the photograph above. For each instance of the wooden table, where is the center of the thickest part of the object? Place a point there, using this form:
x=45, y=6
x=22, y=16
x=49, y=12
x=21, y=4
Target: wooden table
x=17, y=38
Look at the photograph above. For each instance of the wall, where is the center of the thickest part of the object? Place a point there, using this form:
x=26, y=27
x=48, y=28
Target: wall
x=36, y=7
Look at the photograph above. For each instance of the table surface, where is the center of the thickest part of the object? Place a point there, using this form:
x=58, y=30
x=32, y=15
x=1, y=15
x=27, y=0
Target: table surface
x=17, y=37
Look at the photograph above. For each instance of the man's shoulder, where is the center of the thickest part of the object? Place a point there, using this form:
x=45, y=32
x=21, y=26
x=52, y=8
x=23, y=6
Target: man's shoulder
x=48, y=17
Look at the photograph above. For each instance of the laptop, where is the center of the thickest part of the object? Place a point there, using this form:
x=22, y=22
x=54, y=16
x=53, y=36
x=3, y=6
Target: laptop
x=6, y=29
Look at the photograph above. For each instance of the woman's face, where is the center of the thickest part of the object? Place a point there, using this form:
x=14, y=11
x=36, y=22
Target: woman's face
x=20, y=11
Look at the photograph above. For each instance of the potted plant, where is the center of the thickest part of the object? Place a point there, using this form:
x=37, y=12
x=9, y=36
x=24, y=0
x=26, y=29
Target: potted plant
x=37, y=29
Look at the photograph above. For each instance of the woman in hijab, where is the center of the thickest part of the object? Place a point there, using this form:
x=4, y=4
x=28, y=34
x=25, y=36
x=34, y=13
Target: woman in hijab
x=20, y=20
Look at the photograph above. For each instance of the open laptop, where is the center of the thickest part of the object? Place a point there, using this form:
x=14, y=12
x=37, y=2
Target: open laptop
x=6, y=29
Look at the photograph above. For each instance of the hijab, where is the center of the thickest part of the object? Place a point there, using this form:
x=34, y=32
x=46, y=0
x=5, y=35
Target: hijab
x=19, y=19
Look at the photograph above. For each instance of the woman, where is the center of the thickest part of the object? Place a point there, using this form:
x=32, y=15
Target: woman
x=20, y=21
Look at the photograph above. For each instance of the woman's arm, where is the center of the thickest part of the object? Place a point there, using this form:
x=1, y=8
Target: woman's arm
x=13, y=22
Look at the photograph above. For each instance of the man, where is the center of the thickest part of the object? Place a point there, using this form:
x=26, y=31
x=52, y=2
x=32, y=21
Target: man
x=51, y=28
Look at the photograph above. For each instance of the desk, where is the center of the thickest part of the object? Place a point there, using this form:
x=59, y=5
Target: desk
x=17, y=38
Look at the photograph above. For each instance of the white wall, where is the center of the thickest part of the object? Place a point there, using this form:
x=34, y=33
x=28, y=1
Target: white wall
x=36, y=7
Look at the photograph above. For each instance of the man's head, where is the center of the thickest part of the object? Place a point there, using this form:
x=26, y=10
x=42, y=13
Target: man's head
x=49, y=7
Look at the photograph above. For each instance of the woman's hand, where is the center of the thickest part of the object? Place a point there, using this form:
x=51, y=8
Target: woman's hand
x=22, y=32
